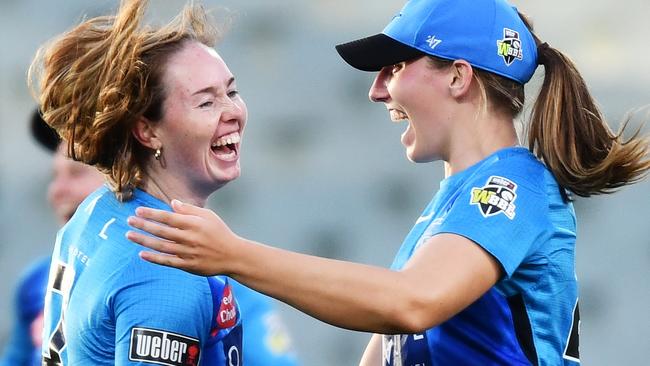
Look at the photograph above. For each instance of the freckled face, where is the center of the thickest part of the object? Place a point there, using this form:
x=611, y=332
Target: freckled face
x=203, y=119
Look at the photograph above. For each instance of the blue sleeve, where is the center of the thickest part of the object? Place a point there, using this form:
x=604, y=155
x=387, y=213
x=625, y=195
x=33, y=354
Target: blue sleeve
x=266, y=339
x=166, y=316
x=506, y=215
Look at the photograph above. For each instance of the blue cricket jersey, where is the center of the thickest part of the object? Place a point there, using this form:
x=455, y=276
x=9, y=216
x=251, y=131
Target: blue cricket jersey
x=106, y=306
x=266, y=341
x=510, y=205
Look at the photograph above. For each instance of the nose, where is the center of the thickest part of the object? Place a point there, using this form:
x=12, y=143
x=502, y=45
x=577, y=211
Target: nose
x=234, y=112
x=378, y=90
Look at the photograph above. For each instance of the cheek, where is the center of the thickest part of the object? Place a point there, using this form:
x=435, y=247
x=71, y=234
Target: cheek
x=189, y=149
x=405, y=86
x=51, y=192
x=182, y=138
x=177, y=124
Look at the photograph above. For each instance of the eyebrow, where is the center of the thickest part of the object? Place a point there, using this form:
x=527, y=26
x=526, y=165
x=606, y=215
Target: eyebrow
x=212, y=89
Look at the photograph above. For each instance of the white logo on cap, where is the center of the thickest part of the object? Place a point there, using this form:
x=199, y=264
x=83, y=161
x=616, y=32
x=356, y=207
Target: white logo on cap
x=433, y=42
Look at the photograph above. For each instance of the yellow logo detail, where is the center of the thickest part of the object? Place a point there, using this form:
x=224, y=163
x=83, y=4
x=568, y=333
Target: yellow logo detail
x=503, y=48
x=481, y=196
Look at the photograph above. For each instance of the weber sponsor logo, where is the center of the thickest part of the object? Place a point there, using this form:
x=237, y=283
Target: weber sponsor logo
x=163, y=348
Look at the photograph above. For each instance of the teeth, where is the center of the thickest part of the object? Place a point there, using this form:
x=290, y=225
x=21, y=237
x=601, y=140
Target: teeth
x=228, y=155
x=230, y=139
x=396, y=115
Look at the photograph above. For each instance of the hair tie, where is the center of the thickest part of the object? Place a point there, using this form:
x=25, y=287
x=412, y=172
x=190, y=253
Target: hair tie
x=541, y=57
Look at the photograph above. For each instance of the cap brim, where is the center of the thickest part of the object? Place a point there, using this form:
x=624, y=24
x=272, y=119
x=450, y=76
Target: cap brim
x=43, y=133
x=374, y=52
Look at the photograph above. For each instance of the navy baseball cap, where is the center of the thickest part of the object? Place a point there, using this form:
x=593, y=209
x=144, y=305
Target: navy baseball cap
x=42, y=132
x=489, y=34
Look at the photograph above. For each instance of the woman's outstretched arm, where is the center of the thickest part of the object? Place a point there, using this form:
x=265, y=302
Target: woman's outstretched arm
x=444, y=276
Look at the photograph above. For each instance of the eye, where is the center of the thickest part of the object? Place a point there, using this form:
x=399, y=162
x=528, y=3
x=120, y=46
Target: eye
x=206, y=104
x=397, y=67
x=233, y=93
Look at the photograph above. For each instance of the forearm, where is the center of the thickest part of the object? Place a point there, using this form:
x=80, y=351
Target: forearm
x=348, y=295
x=443, y=277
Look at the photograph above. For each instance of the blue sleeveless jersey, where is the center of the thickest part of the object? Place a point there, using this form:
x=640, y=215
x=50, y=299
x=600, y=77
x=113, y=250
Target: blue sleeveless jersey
x=106, y=306
x=511, y=206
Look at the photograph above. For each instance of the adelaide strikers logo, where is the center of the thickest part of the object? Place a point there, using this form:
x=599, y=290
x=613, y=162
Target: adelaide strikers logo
x=510, y=46
x=498, y=195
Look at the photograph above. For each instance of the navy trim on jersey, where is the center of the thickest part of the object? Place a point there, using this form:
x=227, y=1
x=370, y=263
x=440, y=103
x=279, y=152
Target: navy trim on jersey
x=522, y=327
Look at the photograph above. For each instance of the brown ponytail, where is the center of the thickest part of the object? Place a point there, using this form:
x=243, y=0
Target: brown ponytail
x=99, y=78
x=569, y=133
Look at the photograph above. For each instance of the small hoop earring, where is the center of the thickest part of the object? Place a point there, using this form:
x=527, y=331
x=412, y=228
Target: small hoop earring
x=157, y=154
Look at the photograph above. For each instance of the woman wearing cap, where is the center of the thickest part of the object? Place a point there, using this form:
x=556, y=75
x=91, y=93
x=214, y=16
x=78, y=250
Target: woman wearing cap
x=486, y=276
x=158, y=112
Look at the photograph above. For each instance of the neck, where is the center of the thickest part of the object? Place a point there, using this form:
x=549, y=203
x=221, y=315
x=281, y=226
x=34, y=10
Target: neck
x=167, y=188
x=489, y=133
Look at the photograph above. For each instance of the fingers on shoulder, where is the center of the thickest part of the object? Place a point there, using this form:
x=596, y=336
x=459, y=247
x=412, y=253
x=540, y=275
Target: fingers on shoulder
x=152, y=242
x=162, y=259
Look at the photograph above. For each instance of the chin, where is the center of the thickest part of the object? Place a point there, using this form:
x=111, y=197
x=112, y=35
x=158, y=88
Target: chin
x=413, y=156
x=224, y=177
x=420, y=158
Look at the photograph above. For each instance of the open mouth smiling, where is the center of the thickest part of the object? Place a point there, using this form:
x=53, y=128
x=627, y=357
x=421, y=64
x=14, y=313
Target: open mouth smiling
x=226, y=147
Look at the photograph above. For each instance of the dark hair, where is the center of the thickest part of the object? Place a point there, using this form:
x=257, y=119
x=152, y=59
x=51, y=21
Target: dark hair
x=567, y=131
x=99, y=78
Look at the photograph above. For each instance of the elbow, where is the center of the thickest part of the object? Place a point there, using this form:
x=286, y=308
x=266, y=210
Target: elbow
x=416, y=313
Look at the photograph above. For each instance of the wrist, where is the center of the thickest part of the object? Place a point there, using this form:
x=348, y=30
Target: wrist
x=236, y=262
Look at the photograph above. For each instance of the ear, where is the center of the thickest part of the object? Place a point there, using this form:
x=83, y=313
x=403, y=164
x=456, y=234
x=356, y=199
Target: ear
x=145, y=132
x=462, y=75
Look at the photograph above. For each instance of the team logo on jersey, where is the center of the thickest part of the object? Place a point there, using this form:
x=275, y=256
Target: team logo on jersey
x=227, y=314
x=163, y=348
x=498, y=195
x=510, y=46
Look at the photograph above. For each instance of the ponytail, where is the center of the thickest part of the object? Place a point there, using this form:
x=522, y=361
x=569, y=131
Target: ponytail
x=570, y=135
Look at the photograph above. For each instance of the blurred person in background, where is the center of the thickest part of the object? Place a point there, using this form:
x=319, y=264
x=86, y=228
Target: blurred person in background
x=266, y=339
x=71, y=182
x=162, y=116
x=487, y=274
